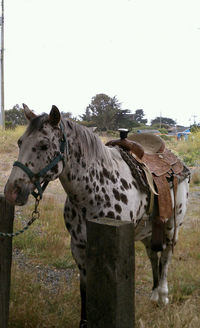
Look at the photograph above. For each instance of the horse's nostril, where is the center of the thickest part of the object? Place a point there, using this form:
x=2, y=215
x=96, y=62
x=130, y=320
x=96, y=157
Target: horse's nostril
x=17, y=189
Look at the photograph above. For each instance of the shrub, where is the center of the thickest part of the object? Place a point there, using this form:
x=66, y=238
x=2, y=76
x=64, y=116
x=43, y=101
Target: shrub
x=165, y=137
x=8, y=125
x=189, y=150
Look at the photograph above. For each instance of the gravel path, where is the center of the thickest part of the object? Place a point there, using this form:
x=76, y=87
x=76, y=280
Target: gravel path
x=46, y=275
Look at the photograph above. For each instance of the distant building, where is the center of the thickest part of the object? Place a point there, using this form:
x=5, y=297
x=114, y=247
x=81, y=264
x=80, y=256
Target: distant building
x=156, y=132
x=174, y=130
x=183, y=134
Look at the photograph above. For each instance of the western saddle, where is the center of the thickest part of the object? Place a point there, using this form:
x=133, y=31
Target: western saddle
x=165, y=169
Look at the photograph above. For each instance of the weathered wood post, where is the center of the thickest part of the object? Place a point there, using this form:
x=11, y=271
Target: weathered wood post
x=6, y=225
x=110, y=274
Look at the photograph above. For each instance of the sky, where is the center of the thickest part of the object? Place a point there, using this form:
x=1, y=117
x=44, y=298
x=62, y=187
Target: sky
x=144, y=52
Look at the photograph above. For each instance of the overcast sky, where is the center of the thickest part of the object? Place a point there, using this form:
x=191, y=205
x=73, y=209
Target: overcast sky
x=144, y=52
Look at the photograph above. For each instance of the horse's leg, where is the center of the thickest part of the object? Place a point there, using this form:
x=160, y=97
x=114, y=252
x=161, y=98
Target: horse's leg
x=78, y=248
x=160, y=266
x=83, y=323
x=165, y=259
x=166, y=254
x=159, y=270
x=153, y=256
x=78, y=252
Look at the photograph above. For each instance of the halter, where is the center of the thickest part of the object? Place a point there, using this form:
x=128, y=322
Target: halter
x=36, y=176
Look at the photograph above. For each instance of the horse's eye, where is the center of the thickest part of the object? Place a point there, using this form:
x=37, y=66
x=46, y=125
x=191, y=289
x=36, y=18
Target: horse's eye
x=44, y=147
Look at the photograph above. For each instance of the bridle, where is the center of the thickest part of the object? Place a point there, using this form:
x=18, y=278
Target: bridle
x=35, y=177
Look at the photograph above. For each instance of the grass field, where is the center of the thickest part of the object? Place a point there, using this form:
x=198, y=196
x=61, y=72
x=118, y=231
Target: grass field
x=45, y=281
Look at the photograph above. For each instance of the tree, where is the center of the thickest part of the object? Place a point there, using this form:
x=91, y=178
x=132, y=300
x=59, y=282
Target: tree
x=15, y=116
x=125, y=119
x=87, y=117
x=69, y=115
x=163, y=121
x=138, y=116
x=66, y=115
x=105, y=113
x=102, y=111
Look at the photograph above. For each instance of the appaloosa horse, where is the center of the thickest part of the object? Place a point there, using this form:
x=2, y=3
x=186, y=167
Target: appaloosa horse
x=98, y=183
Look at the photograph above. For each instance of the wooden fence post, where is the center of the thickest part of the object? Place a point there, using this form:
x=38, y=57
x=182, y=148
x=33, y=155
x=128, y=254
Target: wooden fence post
x=110, y=274
x=6, y=225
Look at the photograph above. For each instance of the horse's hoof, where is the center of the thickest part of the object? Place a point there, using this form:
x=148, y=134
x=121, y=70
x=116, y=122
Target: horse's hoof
x=83, y=324
x=154, y=296
x=163, y=296
x=164, y=300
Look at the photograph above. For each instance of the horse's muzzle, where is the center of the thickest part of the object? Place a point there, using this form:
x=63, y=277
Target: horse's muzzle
x=15, y=194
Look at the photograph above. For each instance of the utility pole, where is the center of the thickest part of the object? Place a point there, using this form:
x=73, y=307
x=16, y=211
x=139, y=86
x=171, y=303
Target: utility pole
x=2, y=116
x=160, y=120
x=194, y=117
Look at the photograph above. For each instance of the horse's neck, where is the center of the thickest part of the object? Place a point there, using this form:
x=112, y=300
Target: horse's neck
x=86, y=153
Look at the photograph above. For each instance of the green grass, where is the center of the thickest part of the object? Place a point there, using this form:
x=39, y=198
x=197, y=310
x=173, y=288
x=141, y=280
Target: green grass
x=188, y=150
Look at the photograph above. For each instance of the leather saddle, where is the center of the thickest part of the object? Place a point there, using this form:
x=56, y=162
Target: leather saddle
x=165, y=168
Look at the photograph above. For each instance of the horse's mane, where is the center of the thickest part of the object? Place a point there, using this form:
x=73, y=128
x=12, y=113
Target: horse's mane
x=91, y=147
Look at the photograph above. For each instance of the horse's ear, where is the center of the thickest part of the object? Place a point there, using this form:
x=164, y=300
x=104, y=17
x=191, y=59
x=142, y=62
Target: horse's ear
x=28, y=113
x=54, y=116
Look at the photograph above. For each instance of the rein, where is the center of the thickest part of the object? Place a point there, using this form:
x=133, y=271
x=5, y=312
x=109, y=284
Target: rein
x=35, y=179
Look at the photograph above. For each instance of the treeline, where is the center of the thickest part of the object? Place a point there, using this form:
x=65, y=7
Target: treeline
x=104, y=112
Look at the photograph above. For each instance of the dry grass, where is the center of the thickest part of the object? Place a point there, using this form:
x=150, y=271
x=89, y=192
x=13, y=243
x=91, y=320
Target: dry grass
x=48, y=239
x=195, y=178
x=34, y=302
x=38, y=303
x=34, y=305
x=8, y=139
x=184, y=282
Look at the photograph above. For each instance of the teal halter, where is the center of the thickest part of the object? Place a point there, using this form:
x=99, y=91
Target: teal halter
x=42, y=186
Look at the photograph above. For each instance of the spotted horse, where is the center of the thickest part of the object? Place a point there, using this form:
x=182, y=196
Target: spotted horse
x=98, y=183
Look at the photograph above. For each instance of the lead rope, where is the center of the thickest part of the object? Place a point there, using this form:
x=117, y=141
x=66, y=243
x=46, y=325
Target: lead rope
x=35, y=215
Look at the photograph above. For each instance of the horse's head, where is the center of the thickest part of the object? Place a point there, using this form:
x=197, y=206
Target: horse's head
x=40, y=157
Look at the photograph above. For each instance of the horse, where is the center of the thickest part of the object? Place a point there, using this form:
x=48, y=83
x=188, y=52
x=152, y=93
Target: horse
x=98, y=183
